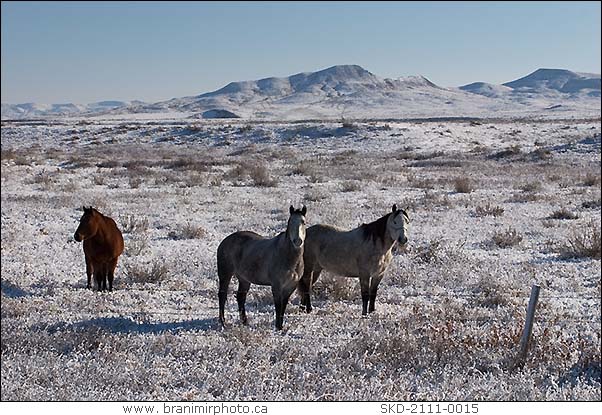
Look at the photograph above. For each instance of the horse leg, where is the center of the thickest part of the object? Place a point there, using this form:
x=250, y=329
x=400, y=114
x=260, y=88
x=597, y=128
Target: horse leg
x=308, y=282
x=304, y=287
x=365, y=287
x=374, y=281
x=111, y=273
x=89, y=272
x=98, y=276
x=284, y=302
x=104, y=275
x=224, y=275
x=278, y=301
x=241, y=298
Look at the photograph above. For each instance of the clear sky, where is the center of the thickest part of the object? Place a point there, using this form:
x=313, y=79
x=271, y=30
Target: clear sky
x=83, y=52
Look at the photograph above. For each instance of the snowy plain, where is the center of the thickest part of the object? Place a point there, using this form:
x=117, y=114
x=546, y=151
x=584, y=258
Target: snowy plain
x=495, y=206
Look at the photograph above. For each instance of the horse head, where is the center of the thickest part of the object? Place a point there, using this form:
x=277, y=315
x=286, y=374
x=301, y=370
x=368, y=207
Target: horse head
x=88, y=224
x=295, y=230
x=397, y=225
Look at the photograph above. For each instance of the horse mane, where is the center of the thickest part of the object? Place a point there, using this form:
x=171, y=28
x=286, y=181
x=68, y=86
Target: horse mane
x=376, y=230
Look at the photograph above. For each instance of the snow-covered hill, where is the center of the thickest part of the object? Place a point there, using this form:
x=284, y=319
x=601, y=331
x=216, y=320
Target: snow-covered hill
x=350, y=91
x=34, y=110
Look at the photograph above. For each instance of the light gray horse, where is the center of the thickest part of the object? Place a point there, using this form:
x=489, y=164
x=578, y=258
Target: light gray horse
x=277, y=262
x=364, y=252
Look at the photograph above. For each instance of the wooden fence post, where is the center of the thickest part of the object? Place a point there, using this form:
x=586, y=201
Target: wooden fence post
x=526, y=337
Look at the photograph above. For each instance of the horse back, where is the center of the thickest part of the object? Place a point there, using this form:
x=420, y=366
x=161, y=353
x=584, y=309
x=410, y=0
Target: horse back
x=108, y=244
x=335, y=250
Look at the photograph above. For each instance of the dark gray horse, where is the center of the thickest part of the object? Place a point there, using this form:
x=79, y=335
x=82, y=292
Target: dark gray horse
x=253, y=259
x=364, y=252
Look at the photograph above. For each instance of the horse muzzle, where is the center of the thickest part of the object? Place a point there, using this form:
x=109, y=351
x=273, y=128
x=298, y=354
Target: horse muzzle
x=298, y=242
x=77, y=237
x=402, y=240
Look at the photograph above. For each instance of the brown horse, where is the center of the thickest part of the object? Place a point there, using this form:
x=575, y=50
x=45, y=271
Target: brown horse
x=103, y=243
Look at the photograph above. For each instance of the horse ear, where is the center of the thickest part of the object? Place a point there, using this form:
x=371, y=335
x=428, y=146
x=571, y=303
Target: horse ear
x=291, y=209
x=304, y=210
x=394, y=209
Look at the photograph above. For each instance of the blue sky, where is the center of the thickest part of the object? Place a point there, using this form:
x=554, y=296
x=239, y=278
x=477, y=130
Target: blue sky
x=57, y=52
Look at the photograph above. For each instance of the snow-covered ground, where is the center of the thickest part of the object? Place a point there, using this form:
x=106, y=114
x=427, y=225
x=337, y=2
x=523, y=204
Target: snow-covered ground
x=495, y=207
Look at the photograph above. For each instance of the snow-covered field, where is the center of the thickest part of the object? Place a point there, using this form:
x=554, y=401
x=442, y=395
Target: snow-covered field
x=495, y=207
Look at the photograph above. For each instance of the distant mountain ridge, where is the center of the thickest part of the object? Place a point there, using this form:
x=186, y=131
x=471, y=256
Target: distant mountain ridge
x=352, y=91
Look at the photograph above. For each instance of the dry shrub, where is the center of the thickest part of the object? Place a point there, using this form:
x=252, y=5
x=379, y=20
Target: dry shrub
x=530, y=187
x=135, y=182
x=433, y=199
x=337, y=288
x=508, y=238
x=493, y=293
x=432, y=251
x=591, y=179
x=137, y=244
x=188, y=163
x=464, y=185
x=563, y=213
x=133, y=224
x=591, y=204
x=524, y=197
x=350, y=186
x=508, y=152
x=99, y=179
x=188, y=231
x=541, y=154
x=428, y=156
x=420, y=183
x=488, y=210
x=302, y=169
x=152, y=273
x=261, y=176
x=315, y=195
x=584, y=242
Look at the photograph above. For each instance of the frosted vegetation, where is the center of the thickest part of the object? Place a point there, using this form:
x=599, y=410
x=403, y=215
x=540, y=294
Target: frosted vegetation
x=495, y=207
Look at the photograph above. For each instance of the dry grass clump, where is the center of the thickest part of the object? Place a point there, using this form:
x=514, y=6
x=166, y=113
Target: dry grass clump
x=530, y=187
x=524, y=197
x=188, y=163
x=464, y=185
x=591, y=204
x=493, y=293
x=188, y=231
x=302, y=169
x=420, y=183
x=261, y=176
x=508, y=152
x=333, y=288
x=151, y=273
x=540, y=154
x=507, y=239
x=350, y=186
x=584, y=242
x=315, y=195
x=488, y=210
x=133, y=223
x=44, y=178
x=431, y=252
x=563, y=213
x=432, y=199
x=428, y=156
x=591, y=179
